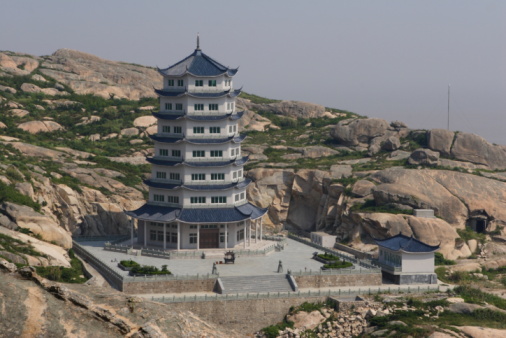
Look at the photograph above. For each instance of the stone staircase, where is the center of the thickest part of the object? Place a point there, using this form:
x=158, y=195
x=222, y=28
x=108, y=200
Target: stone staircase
x=255, y=284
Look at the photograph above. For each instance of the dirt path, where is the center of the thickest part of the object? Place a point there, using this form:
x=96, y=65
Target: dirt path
x=35, y=305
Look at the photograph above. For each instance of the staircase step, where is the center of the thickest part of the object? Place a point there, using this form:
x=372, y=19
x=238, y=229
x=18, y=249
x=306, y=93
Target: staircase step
x=255, y=284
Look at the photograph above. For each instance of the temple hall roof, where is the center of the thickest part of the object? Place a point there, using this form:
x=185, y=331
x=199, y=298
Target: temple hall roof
x=197, y=187
x=202, y=95
x=155, y=213
x=165, y=116
x=166, y=139
x=169, y=163
x=198, y=64
x=404, y=243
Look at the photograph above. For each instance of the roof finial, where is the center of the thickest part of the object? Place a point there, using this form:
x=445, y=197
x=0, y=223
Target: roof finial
x=198, y=41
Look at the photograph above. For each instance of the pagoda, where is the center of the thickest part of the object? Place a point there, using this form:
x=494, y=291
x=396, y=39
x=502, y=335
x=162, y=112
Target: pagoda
x=197, y=190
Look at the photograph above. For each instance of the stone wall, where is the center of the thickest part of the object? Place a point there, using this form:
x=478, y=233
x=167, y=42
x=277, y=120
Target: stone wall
x=169, y=286
x=323, y=281
x=245, y=316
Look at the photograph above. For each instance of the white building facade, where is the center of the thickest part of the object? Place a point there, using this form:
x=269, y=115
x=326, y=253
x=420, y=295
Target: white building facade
x=197, y=191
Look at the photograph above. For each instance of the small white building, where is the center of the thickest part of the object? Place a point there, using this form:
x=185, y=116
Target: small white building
x=406, y=260
x=323, y=239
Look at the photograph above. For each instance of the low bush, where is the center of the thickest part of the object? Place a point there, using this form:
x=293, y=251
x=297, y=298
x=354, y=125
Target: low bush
x=129, y=263
x=150, y=270
x=74, y=274
x=440, y=260
x=328, y=257
x=338, y=265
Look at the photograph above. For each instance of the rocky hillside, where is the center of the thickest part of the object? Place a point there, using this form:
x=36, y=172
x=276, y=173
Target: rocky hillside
x=74, y=129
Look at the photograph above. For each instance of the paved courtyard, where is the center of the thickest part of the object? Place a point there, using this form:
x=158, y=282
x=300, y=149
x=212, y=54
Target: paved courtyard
x=296, y=256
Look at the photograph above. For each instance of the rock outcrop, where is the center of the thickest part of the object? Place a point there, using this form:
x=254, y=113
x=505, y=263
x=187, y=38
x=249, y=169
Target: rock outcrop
x=34, y=127
x=89, y=74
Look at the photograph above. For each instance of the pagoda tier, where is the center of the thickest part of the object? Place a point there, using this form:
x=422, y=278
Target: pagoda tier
x=197, y=190
x=166, y=139
x=230, y=116
x=195, y=187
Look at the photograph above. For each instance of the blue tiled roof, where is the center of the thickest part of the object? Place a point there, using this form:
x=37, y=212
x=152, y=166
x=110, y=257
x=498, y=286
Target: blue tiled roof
x=198, y=64
x=165, y=116
x=198, y=95
x=169, y=163
x=404, y=243
x=165, y=139
x=156, y=213
x=162, y=185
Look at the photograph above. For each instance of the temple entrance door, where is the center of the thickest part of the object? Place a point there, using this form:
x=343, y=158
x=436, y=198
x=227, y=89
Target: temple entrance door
x=209, y=238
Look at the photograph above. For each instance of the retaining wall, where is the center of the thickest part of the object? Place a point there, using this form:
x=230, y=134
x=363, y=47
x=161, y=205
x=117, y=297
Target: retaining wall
x=324, y=281
x=244, y=316
x=169, y=286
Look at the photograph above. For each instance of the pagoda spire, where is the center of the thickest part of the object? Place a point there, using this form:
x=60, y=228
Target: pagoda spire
x=198, y=41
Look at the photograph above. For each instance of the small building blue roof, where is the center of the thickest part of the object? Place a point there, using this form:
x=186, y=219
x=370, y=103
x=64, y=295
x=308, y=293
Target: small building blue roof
x=404, y=243
x=198, y=64
x=206, y=95
x=156, y=213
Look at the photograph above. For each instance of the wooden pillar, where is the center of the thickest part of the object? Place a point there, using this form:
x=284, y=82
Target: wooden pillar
x=178, y=236
x=245, y=233
x=256, y=230
x=164, y=236
x=261, y=230
x=249, y=232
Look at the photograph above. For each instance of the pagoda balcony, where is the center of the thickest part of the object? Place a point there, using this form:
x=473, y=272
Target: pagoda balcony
x=208, y=112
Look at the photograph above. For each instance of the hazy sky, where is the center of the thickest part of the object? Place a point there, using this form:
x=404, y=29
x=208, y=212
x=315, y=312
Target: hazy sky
x=388, y=59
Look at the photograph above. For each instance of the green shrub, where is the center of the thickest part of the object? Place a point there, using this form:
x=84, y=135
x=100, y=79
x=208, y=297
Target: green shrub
x=440, y=260
x=476, y=296
x=328, y=257
x=338, y=265
x=129, y=263
x=370, y=206
x=149, y=270
x=74, y=274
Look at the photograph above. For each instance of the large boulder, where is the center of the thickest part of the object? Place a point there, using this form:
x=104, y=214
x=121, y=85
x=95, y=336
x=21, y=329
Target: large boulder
x=35, y=127
x=424, y=157
x=293, y=109
x=475, y=149
x=440, y=140
x=354, y=132
x=145, y=121
x=308, y=198
x=44, y=226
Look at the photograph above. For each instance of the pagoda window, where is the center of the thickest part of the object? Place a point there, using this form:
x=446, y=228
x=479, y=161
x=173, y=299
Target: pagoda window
x=214, y=130
x=199, y=153
x=152, y=235
x=178, y=130
x=160, y=236
x=219, y=199
x=198, y=130
x=212, y=83
x=165, y=129
x=163, y=152
x=199, y=83
x=198, y=106
x=198, y=177
x=217, y=177
x=230, y=129
x=236, y=197
x=180, y=83
x=179, y=106
x=176, y=153
x=239, y=173
x=170, y=82
x=198, y=200
x=174, y=176
x=161, y=175
x=243, y=196
x=216, y=153
x=213, y=106
x=193, y=238
x=234, y=175
x=173, y=199
x=173, y=237
x=168, y=106
x=158, y=198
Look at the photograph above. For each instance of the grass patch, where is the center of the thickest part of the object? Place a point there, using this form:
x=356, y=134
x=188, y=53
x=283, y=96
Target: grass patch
x=9, y=193
x=338, y=265
x=150, y=270
x=74, y=274
x=468, y=233
x=129, y=263
x=328, y=257
x=476, y=296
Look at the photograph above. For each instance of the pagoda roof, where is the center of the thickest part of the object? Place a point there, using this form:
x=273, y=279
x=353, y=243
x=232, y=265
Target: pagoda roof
x=165, y=116
x=237, y=162
x=200, y=95
x=198, y=187
x=166, y=139
x=156, y=213
x=198, y=64
x=404, y=243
